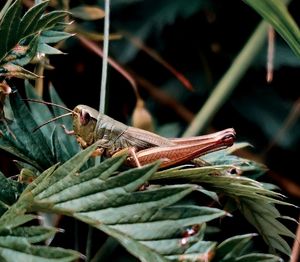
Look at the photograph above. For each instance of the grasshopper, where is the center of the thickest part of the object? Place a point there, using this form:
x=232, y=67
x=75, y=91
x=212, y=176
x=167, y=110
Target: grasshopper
x=143, y=147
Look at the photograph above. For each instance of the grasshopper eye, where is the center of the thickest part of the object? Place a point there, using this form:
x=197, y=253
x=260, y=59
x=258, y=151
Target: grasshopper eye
x=84, y=117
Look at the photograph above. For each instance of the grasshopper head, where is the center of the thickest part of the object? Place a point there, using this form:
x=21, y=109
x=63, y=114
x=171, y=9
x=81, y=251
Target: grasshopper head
x=84, y=124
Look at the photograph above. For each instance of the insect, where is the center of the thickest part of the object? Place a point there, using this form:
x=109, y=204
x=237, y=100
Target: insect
x=143, y=147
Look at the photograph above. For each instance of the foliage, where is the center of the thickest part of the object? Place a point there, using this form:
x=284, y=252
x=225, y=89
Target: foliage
x=156, y=215
x=27, y=35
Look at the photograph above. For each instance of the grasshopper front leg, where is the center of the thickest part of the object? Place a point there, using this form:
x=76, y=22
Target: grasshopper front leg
x=185, y=150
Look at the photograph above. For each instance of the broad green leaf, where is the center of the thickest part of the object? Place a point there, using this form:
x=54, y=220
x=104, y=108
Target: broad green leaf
x=19, y=249
x=86, y=12
x=276, y=13
x=171, y=222
x=8, y=27
x=139, y=250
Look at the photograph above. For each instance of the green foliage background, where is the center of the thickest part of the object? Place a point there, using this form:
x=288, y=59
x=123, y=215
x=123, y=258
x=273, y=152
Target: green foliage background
x=172, y=219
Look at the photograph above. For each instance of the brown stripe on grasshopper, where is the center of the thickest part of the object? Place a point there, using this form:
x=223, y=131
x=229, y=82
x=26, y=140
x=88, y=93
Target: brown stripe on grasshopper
x=142, y=146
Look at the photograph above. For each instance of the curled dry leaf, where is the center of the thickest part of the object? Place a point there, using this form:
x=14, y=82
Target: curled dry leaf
x=141, y=117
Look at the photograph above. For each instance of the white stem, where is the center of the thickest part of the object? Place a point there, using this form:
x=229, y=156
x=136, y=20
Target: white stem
x=104, y=59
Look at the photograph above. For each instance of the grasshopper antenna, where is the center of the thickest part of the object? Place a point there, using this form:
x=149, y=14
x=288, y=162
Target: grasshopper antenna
x=51, y=104
x=51, y=120
x=47, y=103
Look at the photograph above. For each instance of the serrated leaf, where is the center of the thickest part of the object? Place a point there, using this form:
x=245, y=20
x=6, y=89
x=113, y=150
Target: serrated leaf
x=259, y=214
x=71, y=166
x=112, y=204
x=8, y=27
x=33, y=234
x=276, y=13
x=86, y=12
x=31, y=147
x=19, y=249
x=233, y=247
x=134, y=247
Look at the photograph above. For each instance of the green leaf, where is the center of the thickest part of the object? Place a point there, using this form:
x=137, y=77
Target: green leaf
x=233, y=247
x=40, y=112
x=49, y=20
x=29, y=20
x=67, y=168
x=86, y=12
x=134, y=247
x=264, y=216
x=9, y=190
x=19, y=249
x=33, y=234
x=256, y=257
x=52, y=36
x=48, y=50
x=31, y=147
x=23, y=52
x=276, y=13
x=8, y=27
x=111, y=203
x=69, y=141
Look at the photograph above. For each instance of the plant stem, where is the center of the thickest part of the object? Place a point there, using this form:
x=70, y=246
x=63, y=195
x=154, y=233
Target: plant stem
x=104, y=59
x=229, y=81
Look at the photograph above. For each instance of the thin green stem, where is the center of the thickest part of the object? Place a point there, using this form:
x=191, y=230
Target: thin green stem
x=105, y=58
x=229, y=81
